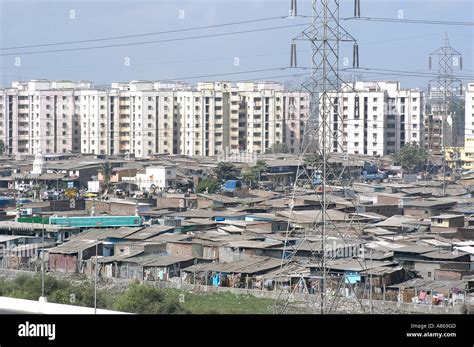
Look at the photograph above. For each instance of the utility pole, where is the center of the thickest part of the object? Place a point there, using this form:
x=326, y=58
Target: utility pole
x=42, y=259
x=449, y=59
x=95, y=274
x=43, y=297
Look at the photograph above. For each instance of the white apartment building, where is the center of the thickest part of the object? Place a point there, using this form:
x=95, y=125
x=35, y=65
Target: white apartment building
x=469, y=112
x=143, y=118
x=39, y=115
x=374, y=118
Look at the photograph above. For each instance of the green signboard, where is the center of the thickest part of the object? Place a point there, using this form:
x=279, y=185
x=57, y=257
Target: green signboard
x=107, y=221
x=36, y=219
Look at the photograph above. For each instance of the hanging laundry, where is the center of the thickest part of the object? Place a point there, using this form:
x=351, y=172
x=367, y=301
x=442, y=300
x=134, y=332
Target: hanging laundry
x=422, y=295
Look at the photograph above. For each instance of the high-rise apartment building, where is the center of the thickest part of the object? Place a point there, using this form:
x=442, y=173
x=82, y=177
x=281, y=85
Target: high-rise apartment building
x=39, y=115
x=142, y=118
x=374, y=118
x=469, y=112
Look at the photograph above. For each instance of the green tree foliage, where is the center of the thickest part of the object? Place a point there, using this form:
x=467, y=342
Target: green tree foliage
x=410, y=156
x=56, y=290
x=277, y=148
x=254, y=174
x=313, y=160
x=2, y=147
x=141, y=298
x=106, y=170
x=226, y=171
x=208, y=185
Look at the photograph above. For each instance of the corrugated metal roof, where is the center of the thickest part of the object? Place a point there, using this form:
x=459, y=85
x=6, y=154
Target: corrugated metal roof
x=73, y=246
x=249, y=265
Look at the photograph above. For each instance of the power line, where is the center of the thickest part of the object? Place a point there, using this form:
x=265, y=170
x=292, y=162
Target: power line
x=143, y=34
x=409, y=21
x=402, y=72
x=154, y=41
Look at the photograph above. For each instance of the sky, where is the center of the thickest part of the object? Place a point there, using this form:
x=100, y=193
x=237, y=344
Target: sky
x=396, y=46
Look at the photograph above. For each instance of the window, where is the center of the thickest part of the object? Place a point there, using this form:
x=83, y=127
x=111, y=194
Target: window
x=429, y=273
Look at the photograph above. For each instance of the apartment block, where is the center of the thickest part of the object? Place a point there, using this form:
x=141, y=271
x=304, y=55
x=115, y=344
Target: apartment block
x=373, y=118
x=39, y=115
x=142, y=118
x=469, y=112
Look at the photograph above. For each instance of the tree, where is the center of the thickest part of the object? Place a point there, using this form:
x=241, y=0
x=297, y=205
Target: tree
x=106, y=170
x=277, y=148
x=313, y=160
x=226, y=171
x=144, y=299
x=2, y=147
x=208, y=185
x=254, y=174
x=411, y=156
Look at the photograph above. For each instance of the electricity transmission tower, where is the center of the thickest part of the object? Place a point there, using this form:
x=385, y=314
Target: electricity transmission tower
x=449, y=60
x=320, y=141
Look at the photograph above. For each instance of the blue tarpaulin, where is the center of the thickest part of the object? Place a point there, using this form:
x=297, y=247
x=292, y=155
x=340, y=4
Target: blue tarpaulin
x=216, y=280
x=352, y=278
x=232, y=185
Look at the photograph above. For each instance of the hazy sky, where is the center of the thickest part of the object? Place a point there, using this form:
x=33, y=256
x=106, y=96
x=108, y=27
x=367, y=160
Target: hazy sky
x=382, y=45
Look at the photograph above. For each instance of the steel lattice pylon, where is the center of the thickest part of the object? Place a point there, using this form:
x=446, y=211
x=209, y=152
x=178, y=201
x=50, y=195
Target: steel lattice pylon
x=320, y=141
x=449, y=59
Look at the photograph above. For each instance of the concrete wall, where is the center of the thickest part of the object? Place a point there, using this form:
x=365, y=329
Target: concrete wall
x=37, y=307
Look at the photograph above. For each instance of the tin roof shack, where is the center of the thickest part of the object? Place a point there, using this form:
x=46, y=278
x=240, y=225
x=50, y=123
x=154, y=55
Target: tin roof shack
x=238, y=250
x=408, y=254
x=466, y=233
x=424, y=291
x=69, y=256
x=25, y=257
x=425, y=260
x=176, y=202
x=267, y=221
x=195, y=248
x=54, y=232
x=151, y=267
x=384, y=276
x=237, y=274
x=386, y=210
x=427, y=208
x=445, y=222
x=403, y=224
x=355, y=271
x=442, y=260
x=16, y=251
x=117, y=207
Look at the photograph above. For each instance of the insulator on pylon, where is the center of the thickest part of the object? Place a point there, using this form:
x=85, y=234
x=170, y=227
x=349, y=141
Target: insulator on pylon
x=355, y=56
x=293, y=8
x=357, y=8
x=429, y=63
x=293, y=55
x=460, y=63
